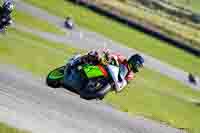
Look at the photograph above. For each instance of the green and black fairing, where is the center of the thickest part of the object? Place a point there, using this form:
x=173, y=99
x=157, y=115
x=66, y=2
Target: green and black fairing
x=90, y=78
x=55, y=77
x=92, y=71
x=57, y=74
x=80, y=76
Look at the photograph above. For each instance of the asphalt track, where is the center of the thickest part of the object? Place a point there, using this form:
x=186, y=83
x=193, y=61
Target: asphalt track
x=26, y=102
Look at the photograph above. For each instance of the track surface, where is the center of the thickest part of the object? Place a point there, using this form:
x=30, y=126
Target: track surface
x=85, y=39
x=25, y=102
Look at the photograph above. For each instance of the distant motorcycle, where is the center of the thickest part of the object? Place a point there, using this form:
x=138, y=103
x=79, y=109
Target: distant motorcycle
x=69, y=23
x=3, y=26
x=5, y=14
x=4, y=23
x=90, y=81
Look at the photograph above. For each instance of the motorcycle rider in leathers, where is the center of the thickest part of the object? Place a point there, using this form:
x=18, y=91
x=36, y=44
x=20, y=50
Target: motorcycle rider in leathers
x=127, y=67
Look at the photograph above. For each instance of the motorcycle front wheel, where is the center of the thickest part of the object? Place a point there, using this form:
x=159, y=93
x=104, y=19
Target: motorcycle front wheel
x=55, y=77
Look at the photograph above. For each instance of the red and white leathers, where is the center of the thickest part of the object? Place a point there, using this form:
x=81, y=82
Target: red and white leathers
x=123, y=60
x=120, y=59
x=125, y=73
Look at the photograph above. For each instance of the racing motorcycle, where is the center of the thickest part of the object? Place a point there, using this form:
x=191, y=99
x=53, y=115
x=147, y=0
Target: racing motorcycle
x=69, y=23
x=90, y=81
x=4, y=23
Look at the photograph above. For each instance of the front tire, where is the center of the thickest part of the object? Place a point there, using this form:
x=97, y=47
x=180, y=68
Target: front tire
x=55, y=77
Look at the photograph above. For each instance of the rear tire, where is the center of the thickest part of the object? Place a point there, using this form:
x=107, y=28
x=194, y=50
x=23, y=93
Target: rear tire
x=102, y=93
x=92, y=93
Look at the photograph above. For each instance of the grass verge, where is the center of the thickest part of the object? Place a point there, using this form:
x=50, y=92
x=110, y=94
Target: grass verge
x=7, y=129
x=32, y=53
x=36, y=23
x=165, y=23
x=160, y=98
x=123, y=34
x=192, y=4
x=151, y=95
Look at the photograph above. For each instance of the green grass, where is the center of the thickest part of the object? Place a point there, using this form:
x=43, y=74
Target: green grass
x=35, y=23
x=123, y=34
x=7, y=129
x=32, y=53
x=193, y=4
x=155, y=96
x=184, y=31
x=151, y=95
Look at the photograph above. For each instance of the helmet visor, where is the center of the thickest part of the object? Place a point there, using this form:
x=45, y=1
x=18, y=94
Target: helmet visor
x=135, y=67
x=138, y=64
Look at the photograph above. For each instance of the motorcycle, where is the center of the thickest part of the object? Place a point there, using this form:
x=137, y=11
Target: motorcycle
x=69, y=23
x=90, y=81
x=4, y=23
x=2, y=26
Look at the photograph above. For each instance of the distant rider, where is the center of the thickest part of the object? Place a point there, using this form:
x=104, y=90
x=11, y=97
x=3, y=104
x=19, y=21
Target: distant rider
x=5, y=13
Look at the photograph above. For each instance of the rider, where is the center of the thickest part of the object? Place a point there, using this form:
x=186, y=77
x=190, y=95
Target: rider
x=5, y=12
x=92, y=57
x=127, y=67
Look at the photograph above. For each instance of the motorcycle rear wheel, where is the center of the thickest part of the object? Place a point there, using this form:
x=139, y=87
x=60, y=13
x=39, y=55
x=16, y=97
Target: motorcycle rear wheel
x=96, y=92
